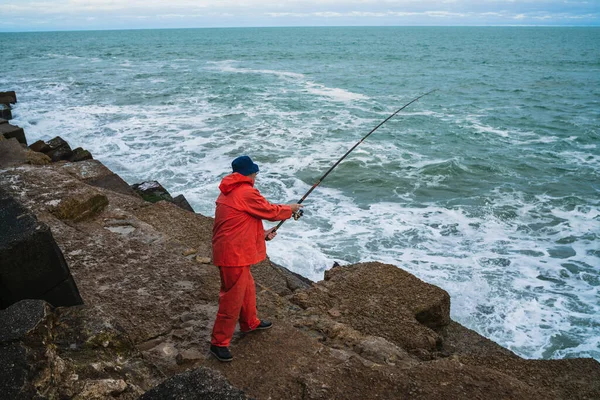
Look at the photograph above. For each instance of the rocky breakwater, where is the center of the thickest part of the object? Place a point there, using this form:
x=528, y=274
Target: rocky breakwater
x=144, y=272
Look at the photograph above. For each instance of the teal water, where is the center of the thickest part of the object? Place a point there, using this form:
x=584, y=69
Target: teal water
x=488, y=188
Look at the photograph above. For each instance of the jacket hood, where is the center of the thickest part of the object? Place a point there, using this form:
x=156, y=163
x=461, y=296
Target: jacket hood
x=232, y=181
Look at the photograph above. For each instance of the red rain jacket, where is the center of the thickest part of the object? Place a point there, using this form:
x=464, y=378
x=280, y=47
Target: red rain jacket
x=238, y=233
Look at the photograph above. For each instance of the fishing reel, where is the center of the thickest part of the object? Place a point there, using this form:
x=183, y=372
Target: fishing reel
x=296, y=215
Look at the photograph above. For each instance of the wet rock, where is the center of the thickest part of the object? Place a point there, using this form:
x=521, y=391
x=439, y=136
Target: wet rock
x=13, y=131
x=79, y=154
x=11, y=153
x=3, y=121
x=8, y=97
x=198, y=384
x=152, y=191
x=5, y=112
x=31, y=264
x=59, y=149
x=182, y=202
x=83, y=205
x=40, y=146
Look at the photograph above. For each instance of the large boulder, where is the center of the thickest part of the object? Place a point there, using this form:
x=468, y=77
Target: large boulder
x=31, y=264
x=59, y=149
x=80, y=154
x=182, y=202
x=94, y=173
x=197, y=384
x=380, y=300
x=11, y=152
x=153, y=192
x=8, y=97
x=5, y=112
x=13, y=131
x=24, y=323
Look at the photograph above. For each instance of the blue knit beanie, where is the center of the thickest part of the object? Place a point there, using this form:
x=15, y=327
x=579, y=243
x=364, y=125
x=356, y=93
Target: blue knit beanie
x=244, y=166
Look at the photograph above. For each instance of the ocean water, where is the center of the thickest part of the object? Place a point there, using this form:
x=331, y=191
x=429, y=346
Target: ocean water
x=488, y=188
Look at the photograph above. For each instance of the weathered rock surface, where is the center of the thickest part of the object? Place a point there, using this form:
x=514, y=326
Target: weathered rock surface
x=8, y=97
x=31, y=264
x=59, y=149
x=68, y=353
x=11, y=153
x=198, y=384
x=367, y=331
x=94, y=173
x=13, y=131
x=153, y=192
x=80, y=154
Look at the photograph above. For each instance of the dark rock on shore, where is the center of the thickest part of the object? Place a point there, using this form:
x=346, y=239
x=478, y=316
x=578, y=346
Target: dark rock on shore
x=59, y=149
x=32, y=266
x=8, y=97
x=5, y=112
x=182, y=202
x=40, y=146
x=13, y=131
x=198, y=384
x=153, y=192
x=79, y=154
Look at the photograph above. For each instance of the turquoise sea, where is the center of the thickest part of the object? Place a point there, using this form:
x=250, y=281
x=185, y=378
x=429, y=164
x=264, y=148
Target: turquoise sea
x=488, y=188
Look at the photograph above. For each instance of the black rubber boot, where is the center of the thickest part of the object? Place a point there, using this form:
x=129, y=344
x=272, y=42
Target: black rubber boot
x=221, y=353
x=264, y=324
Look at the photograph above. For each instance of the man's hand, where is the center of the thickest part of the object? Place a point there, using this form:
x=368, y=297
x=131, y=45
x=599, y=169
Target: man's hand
x=295, y=207
x=270, y=234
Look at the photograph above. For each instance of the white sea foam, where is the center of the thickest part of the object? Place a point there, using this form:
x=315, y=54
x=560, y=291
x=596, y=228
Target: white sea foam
x=506, y=275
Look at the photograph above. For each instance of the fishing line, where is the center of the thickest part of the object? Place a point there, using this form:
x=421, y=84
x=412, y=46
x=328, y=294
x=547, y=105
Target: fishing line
x=317, y=183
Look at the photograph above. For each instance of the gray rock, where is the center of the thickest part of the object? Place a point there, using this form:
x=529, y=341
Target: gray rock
x=94, y=173
x=198, y=384
x=3, y=121
x=31, y=264
x=21, y=318
x=13, y=131
x=152, y=191
x=182, y=202
x=13, y=372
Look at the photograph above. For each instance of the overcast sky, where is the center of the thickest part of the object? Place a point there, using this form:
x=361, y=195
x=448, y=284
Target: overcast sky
x=43, y=15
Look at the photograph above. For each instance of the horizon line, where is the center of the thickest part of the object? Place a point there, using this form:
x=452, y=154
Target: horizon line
x=306, y=26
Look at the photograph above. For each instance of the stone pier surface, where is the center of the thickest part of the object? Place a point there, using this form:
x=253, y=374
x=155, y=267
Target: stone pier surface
x=367, y=331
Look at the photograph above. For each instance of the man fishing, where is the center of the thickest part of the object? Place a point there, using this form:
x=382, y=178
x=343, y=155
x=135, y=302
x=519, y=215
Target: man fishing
x=238, y=242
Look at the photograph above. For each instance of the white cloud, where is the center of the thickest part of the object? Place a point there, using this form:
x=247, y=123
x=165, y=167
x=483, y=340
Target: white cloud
x=200, y=13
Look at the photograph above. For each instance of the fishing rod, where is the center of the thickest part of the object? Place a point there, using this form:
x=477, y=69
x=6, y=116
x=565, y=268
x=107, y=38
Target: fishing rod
x=317, y=183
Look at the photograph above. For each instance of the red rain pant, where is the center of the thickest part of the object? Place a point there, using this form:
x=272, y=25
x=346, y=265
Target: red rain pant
x=237, y=300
